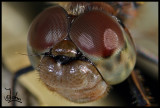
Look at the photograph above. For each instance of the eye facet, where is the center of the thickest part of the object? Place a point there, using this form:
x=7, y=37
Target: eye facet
x=49, y=27
x=102, y=39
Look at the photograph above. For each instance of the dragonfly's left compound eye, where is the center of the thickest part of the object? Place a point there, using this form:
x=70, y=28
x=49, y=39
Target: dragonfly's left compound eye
x=105, y=43
x=46, y=30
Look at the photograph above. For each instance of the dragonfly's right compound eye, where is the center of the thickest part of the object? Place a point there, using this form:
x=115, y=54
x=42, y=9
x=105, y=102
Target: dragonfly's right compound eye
x=106, y=43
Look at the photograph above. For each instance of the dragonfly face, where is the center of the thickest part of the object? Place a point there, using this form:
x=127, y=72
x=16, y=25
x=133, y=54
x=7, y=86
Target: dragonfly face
x=80, y=55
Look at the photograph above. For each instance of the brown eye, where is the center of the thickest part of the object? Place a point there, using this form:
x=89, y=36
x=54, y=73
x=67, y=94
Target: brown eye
x=96, y=33
x=102, y=39
x=48, y=28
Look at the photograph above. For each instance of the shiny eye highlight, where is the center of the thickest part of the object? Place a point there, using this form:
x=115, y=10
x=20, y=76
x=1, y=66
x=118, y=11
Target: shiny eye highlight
x=96, y=33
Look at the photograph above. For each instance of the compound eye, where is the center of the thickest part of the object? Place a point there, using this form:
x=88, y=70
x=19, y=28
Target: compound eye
x=96, y=33
x=102, y=40
x=48, y=28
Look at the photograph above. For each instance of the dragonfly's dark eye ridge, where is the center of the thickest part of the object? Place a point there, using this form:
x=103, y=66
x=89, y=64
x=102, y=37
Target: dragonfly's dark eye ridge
x=96, y=33
x=49, y=27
